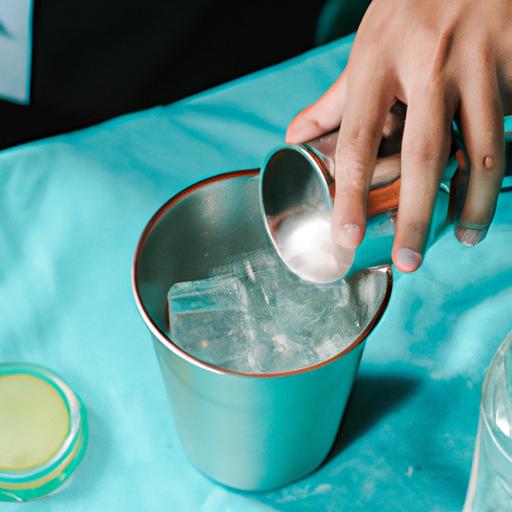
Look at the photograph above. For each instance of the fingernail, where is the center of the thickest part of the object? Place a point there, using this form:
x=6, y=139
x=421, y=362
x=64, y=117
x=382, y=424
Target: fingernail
x=347, y=235
x=407, y=260
x=470, y=234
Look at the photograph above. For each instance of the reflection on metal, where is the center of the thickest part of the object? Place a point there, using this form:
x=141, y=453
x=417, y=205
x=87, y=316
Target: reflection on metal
x=297, y=189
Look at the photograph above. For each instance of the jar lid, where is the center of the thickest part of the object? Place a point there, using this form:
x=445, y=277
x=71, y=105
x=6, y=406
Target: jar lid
x=43, y=432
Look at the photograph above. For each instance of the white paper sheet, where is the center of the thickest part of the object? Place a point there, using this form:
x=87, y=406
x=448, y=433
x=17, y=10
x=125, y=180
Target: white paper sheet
x=15, y=49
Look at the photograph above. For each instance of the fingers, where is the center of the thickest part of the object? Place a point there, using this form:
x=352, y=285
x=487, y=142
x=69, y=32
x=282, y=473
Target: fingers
x=321, y=117
x=481, y=118
x=425, y=150
x=368, y=100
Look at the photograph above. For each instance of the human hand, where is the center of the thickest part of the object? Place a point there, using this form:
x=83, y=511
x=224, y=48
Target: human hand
x=444, y=60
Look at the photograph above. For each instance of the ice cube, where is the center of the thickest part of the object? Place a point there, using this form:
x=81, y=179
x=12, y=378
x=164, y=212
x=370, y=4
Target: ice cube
x=208, y=318
x=278, y=353
x=245, y=266
x=254, y=316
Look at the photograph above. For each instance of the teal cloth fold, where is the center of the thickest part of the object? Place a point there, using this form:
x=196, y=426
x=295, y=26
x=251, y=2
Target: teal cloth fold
x=71, y=211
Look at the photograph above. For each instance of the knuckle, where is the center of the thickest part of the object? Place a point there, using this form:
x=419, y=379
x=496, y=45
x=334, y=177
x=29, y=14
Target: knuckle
x=485, y=146
x=416, y=230
x=439, y=41
x=486, y=157
x=358, y=138
x=437, y=47
x=426, y=152
x=444, y=42
x=484, y=54
x=354, y=166
x=312, y=119
x=352, y=185
x=486, y=162
x=432, y=85
x=356, y=154
x=356, y=182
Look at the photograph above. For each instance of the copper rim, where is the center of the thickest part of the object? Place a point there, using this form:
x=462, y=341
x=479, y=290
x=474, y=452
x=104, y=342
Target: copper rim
x=171, y=345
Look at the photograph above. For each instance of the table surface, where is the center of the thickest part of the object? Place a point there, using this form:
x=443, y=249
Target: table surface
x=72, y=208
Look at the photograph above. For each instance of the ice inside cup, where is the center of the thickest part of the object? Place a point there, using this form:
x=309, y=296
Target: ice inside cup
x=253, y=315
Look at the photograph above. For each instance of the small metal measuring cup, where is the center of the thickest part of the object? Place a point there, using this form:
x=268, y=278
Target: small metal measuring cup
x=297, y=194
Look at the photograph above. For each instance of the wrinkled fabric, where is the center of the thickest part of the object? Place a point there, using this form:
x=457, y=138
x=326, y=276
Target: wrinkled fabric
x=71, y=211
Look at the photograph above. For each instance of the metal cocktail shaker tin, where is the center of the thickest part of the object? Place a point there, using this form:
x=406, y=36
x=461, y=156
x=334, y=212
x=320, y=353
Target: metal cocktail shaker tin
x=250, y=431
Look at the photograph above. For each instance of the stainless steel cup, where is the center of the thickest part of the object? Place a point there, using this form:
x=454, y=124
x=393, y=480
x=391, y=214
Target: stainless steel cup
x=248, y=431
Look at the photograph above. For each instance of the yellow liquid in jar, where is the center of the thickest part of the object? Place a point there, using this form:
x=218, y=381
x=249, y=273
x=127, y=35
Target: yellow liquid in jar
x=34, y=422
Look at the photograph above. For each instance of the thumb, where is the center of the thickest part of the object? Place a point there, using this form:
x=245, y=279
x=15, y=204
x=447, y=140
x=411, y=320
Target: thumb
x=320, y=117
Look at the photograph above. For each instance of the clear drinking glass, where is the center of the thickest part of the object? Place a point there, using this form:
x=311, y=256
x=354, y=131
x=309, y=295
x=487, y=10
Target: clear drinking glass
x=490, y=484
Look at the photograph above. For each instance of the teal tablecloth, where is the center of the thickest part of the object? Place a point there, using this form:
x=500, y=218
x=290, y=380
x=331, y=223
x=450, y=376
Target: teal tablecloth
x=71, y=211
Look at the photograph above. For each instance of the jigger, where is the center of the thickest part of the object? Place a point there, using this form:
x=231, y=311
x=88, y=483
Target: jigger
x=296, y=198
x=297, y=194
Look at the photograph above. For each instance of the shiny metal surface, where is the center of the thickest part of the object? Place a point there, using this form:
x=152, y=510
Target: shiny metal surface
x=247, y=431
x=297, y=194
x=296, y=190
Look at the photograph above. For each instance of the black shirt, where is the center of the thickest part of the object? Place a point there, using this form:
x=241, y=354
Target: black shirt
x=95, y=59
